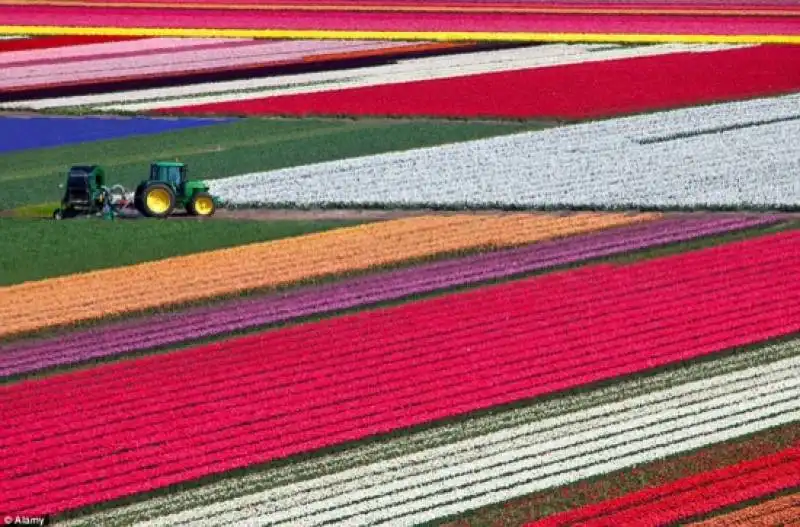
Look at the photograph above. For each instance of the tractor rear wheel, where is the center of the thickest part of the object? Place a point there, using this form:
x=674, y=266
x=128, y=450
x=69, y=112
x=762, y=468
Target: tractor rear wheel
x=201, y=204
x=157, y=200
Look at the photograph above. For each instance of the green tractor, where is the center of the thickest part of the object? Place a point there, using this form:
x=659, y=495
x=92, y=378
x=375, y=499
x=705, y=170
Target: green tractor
x=169, y=187
x=85, y=193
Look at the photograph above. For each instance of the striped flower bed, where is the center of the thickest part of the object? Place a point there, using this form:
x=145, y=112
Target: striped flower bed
x=689, y=158
x=47, y=303
x=516, y=449
x=641, y=391
x=349, y=378
x=425, y=485
x=607, y=88
x=407, y=72
x=696, y=495
x=743, y=22
x=171, y=329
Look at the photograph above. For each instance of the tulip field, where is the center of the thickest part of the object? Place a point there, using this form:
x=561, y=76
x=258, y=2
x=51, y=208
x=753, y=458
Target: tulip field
x=468, y=268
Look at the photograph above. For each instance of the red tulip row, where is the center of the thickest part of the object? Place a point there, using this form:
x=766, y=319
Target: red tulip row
x=126, y=428
x=25, y=44
x=688, y=497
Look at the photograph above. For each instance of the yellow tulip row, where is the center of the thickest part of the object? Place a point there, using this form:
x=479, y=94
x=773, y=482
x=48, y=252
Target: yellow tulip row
x=85, y=296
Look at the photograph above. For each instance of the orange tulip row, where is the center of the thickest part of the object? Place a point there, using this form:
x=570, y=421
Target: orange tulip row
x=85, y=296
x=779, y=511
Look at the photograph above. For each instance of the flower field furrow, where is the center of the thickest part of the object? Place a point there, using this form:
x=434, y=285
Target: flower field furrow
x=403, y=71
x=184, y=59
x=777, y=511
x=611, y=88
x=193, y=413
x=588, y=286
x=536, y=452
x=691, y=496
x=125, y=337
x=280, y=262
x=675, y=159
x=697, y=331
x=442, y=435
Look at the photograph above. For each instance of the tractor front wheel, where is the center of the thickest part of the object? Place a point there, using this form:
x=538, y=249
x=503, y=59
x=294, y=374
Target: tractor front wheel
x=58, y=214
x=157, y=200
x=201, y=204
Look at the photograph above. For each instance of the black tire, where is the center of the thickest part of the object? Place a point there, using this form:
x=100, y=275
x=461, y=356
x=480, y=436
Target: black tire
x=164, y=192
x=58, y=214
x=207, y=208
x=137, y=198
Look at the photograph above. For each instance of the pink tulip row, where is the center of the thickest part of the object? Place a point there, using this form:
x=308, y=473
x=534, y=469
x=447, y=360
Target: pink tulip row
x=159, y=57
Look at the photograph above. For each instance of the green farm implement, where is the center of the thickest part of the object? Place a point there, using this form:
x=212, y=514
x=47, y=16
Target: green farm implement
x=85, y=193
x=169, y=188
x=166, y=190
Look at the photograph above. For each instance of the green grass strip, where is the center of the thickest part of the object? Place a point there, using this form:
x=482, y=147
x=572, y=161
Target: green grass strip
x=351, y=455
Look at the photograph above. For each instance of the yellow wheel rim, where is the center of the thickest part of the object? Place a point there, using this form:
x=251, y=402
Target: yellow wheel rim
x=158, y=201
x=203, y=206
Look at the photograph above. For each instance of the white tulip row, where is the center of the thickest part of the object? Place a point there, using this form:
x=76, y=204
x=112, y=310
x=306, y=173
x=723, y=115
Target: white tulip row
x=610, y=163
x=458, y=477
x=429, y=439
x=403, y=71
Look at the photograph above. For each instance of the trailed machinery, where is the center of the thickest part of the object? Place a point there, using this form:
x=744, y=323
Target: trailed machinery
x=167, y=189
x=86, y=193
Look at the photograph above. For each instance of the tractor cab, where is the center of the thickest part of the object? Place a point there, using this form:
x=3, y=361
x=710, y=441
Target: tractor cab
x=173, y=174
